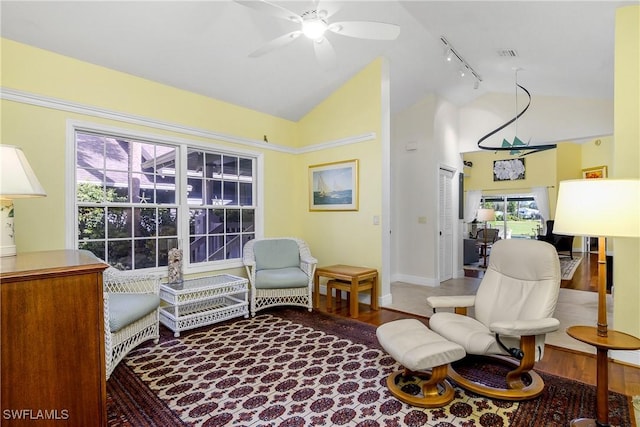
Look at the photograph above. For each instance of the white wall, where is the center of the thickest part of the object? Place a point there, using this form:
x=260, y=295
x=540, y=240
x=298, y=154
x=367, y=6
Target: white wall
x=548, y=119
x=439, y=132
x=414, y=194
x=424, y=138
x=446, y=133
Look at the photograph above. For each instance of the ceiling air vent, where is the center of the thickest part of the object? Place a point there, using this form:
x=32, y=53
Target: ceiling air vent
x=510, y=53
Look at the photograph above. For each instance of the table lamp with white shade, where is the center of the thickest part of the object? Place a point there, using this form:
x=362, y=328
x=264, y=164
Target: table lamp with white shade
x=602, y=208
x=17, y=181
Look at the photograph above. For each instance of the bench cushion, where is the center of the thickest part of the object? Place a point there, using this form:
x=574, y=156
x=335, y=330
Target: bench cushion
x=281, y=278
x=125, y=309
x=415, y=346
x=276, y=253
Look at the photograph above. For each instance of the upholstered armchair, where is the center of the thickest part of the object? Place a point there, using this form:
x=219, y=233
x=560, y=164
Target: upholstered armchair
x=492, y=235
x=280, y=272
x=131, y=304
x=513, y=308
x=486, y=238
x=561, y=242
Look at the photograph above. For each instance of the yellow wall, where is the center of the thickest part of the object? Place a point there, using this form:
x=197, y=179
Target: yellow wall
x=626, y=268
x=49, y=74
x=544, y=169
x=598, y=152
x=539, y=172
x=41, y=132
x=354, y=109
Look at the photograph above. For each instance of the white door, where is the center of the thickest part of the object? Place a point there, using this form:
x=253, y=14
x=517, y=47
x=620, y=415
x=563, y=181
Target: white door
x=445, y=183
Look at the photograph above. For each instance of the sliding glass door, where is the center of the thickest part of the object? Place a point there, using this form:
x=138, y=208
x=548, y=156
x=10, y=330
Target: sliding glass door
x=517, y=216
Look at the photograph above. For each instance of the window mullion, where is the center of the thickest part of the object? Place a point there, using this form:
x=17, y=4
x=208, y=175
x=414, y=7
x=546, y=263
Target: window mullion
x=183, y=203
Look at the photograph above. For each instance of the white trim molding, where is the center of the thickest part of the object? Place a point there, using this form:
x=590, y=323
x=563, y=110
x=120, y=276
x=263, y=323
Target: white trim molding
x=103, y=113
x=626, y=356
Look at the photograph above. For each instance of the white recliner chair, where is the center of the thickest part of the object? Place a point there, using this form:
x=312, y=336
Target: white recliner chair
x=513, y=309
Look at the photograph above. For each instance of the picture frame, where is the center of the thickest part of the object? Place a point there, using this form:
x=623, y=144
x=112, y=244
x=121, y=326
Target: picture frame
x=334, y=186
x=595, y=172
x=509, y=169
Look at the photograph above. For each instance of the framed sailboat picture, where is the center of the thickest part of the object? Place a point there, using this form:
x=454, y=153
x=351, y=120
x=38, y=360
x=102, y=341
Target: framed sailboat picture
x=334, y=186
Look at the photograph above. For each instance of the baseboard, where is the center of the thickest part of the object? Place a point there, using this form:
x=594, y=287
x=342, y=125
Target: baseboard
x=385, y=300
x=626, y=356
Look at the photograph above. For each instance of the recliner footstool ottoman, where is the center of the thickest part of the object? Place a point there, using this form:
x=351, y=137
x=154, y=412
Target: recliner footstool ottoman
x=424, y=354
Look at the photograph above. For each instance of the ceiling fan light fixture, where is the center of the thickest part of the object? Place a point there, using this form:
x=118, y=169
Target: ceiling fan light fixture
x=314, y=28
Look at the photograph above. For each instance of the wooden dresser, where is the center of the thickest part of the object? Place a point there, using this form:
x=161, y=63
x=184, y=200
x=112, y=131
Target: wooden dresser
x=52, y=332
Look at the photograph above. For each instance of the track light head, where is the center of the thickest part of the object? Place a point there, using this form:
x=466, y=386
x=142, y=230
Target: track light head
x=448, y=55
x=465, y=68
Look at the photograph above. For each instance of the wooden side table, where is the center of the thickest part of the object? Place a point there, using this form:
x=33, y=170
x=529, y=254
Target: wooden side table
x=613, y=341
x=349, y=279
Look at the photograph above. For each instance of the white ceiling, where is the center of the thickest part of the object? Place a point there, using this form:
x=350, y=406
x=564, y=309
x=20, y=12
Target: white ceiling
x=565, y=47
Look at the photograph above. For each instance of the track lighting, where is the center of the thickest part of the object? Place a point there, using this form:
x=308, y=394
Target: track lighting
x=465, y=68
x=448, y=55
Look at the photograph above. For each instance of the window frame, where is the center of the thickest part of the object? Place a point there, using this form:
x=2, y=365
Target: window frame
x=182, y=145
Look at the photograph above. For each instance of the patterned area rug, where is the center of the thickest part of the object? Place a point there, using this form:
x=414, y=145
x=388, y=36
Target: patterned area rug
x=294, y=368
x=569, y=266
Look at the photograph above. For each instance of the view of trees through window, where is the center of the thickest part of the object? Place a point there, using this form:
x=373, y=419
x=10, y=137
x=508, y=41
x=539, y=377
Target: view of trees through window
x=128, y=202
x=518, y=215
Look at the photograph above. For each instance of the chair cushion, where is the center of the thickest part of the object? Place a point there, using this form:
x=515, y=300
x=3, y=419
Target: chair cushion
x=416, y=347
x=469, y=333
x=125, y=309
x=280, y=278
x=522, y=282
x=276, y=253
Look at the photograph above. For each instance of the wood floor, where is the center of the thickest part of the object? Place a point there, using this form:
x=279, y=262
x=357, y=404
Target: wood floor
x=623, y=378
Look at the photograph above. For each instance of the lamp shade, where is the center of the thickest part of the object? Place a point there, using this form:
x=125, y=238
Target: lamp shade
x=17, y=179
x=598, y=207
x=486, y=215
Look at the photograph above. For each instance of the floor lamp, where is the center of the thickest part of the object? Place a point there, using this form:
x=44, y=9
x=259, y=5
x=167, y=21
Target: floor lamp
x=485, y=215
x=602, y=208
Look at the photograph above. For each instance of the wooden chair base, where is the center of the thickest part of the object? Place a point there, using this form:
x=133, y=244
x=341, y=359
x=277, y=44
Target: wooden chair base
x=517, y=391
x=436, y=390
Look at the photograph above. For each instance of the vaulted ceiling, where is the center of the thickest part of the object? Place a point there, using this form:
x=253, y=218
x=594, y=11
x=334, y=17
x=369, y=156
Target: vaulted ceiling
x=564, y=48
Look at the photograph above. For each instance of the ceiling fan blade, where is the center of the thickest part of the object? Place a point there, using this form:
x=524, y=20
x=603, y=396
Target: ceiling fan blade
x=366, y=30
x=325, y=54
x=276, y=43
x=271, y=9
x=329, y=7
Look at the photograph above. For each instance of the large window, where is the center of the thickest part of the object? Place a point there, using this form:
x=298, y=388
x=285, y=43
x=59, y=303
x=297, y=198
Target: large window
x=132, y=201
x=517, y=216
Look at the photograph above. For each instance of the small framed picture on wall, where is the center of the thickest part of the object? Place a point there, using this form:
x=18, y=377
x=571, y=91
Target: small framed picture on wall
x=334, y=186
x=596, y=172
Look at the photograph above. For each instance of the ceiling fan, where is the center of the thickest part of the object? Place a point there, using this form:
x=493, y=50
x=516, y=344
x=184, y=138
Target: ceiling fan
x=314, y=25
